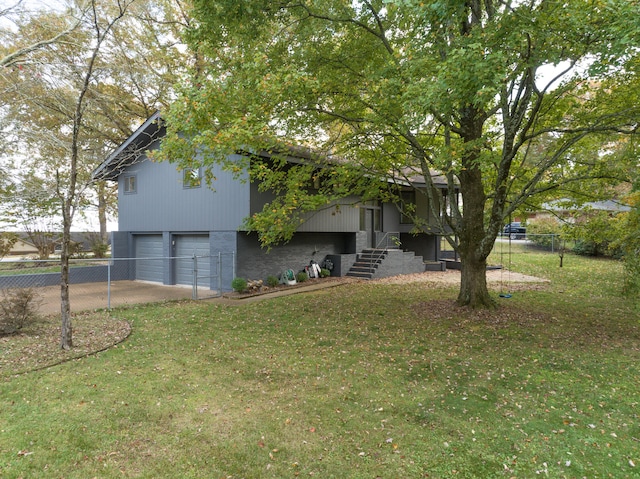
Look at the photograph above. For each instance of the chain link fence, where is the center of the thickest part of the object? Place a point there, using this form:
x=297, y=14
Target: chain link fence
x=522, y=243
x=111, y=282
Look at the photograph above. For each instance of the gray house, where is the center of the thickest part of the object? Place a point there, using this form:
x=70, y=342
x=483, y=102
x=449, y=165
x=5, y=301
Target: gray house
x=168, y=216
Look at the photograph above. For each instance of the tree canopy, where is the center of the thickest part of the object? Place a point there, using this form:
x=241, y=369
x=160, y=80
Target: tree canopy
x=65, y=101
x=508, y=99
x=134, y=75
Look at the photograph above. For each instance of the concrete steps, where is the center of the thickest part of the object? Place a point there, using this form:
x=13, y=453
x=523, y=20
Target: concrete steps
x=367, y=262
x=382, y=263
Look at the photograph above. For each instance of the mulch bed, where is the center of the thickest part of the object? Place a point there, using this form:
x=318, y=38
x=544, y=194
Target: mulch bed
x=37, y=345
x=285, y=287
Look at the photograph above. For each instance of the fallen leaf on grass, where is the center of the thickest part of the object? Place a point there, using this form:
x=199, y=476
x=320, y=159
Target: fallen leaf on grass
x=37, y=346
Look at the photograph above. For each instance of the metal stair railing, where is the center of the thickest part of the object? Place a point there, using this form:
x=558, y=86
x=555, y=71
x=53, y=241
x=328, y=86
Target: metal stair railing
x=389, y=239
x=380, y=250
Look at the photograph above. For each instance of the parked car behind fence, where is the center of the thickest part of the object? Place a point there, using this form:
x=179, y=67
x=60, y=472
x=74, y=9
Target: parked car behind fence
x=515, y=230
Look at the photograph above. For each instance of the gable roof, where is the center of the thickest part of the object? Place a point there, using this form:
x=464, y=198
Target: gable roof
x=153, y=129
x=407, y=176
x=608, y=205
x=132, y=148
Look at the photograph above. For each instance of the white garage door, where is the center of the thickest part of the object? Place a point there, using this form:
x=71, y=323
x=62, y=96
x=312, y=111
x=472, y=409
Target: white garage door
x=186, y=247
x=149, y=246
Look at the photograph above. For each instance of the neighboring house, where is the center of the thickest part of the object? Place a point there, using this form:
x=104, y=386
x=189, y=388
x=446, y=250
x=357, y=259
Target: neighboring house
x=566, y=211
x=164, y=213
x=81, y=241
x=23, y=247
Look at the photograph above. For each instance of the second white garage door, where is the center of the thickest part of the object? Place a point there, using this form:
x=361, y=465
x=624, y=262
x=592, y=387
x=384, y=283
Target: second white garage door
x=186, y=246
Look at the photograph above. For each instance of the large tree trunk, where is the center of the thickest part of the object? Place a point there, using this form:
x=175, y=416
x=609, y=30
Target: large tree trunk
x=473, y=283
x=473, y=245
x=473, y=253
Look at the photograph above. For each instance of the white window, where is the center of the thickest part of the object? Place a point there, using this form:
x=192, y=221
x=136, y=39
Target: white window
x=130, y=184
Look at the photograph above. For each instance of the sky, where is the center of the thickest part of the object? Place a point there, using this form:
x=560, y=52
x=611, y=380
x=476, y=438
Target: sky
x=31, y=5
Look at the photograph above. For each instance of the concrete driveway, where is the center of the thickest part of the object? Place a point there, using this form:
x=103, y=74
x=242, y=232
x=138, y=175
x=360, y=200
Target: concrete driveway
x=90, y=296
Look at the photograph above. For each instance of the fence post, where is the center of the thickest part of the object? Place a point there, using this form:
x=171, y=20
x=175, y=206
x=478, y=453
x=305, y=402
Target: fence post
x=553, y=239
x=109, y=284
x=219, y=273
x=194, y=290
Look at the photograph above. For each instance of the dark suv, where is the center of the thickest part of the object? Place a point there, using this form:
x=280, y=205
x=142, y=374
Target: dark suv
x=515, y=230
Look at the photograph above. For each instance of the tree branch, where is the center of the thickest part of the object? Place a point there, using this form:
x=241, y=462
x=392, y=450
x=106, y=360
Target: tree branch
x=13, y=58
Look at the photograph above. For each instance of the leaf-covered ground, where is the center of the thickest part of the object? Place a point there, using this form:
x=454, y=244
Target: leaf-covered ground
x=363, y=380
x=37, y=345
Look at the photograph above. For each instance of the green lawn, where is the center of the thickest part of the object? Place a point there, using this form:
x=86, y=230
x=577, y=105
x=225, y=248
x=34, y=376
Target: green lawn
x=24, y=267
x=359, y=381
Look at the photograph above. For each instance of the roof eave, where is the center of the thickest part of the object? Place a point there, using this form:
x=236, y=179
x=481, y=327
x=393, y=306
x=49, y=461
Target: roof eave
x=146, y=134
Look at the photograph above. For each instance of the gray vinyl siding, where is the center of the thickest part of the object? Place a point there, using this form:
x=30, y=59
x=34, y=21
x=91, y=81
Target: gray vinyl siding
x=258, y=198
x=343, y=216
x=161, y=203
x=391, y=215
x=340, y=217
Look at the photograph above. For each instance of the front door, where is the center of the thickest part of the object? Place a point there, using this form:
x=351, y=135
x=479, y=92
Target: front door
x=370, y=222
x=369, y=228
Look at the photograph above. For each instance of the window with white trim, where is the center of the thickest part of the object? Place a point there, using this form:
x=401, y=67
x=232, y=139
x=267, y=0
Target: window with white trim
x=130, y=184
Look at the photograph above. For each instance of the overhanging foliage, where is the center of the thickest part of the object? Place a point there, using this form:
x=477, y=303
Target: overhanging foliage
x=448, y=85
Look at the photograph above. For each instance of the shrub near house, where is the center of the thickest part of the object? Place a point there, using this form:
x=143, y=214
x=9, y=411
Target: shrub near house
x=591, y=236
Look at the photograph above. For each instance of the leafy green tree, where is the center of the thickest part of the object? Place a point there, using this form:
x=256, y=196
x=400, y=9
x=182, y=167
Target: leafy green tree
x=593, y=233
x=135, y=73
x=7, y=240
x=468, y=88
x=30, y=204
x=545, y=232
x=627, y=225
x=12, y=54
x=59, y=87
x=69, y=103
